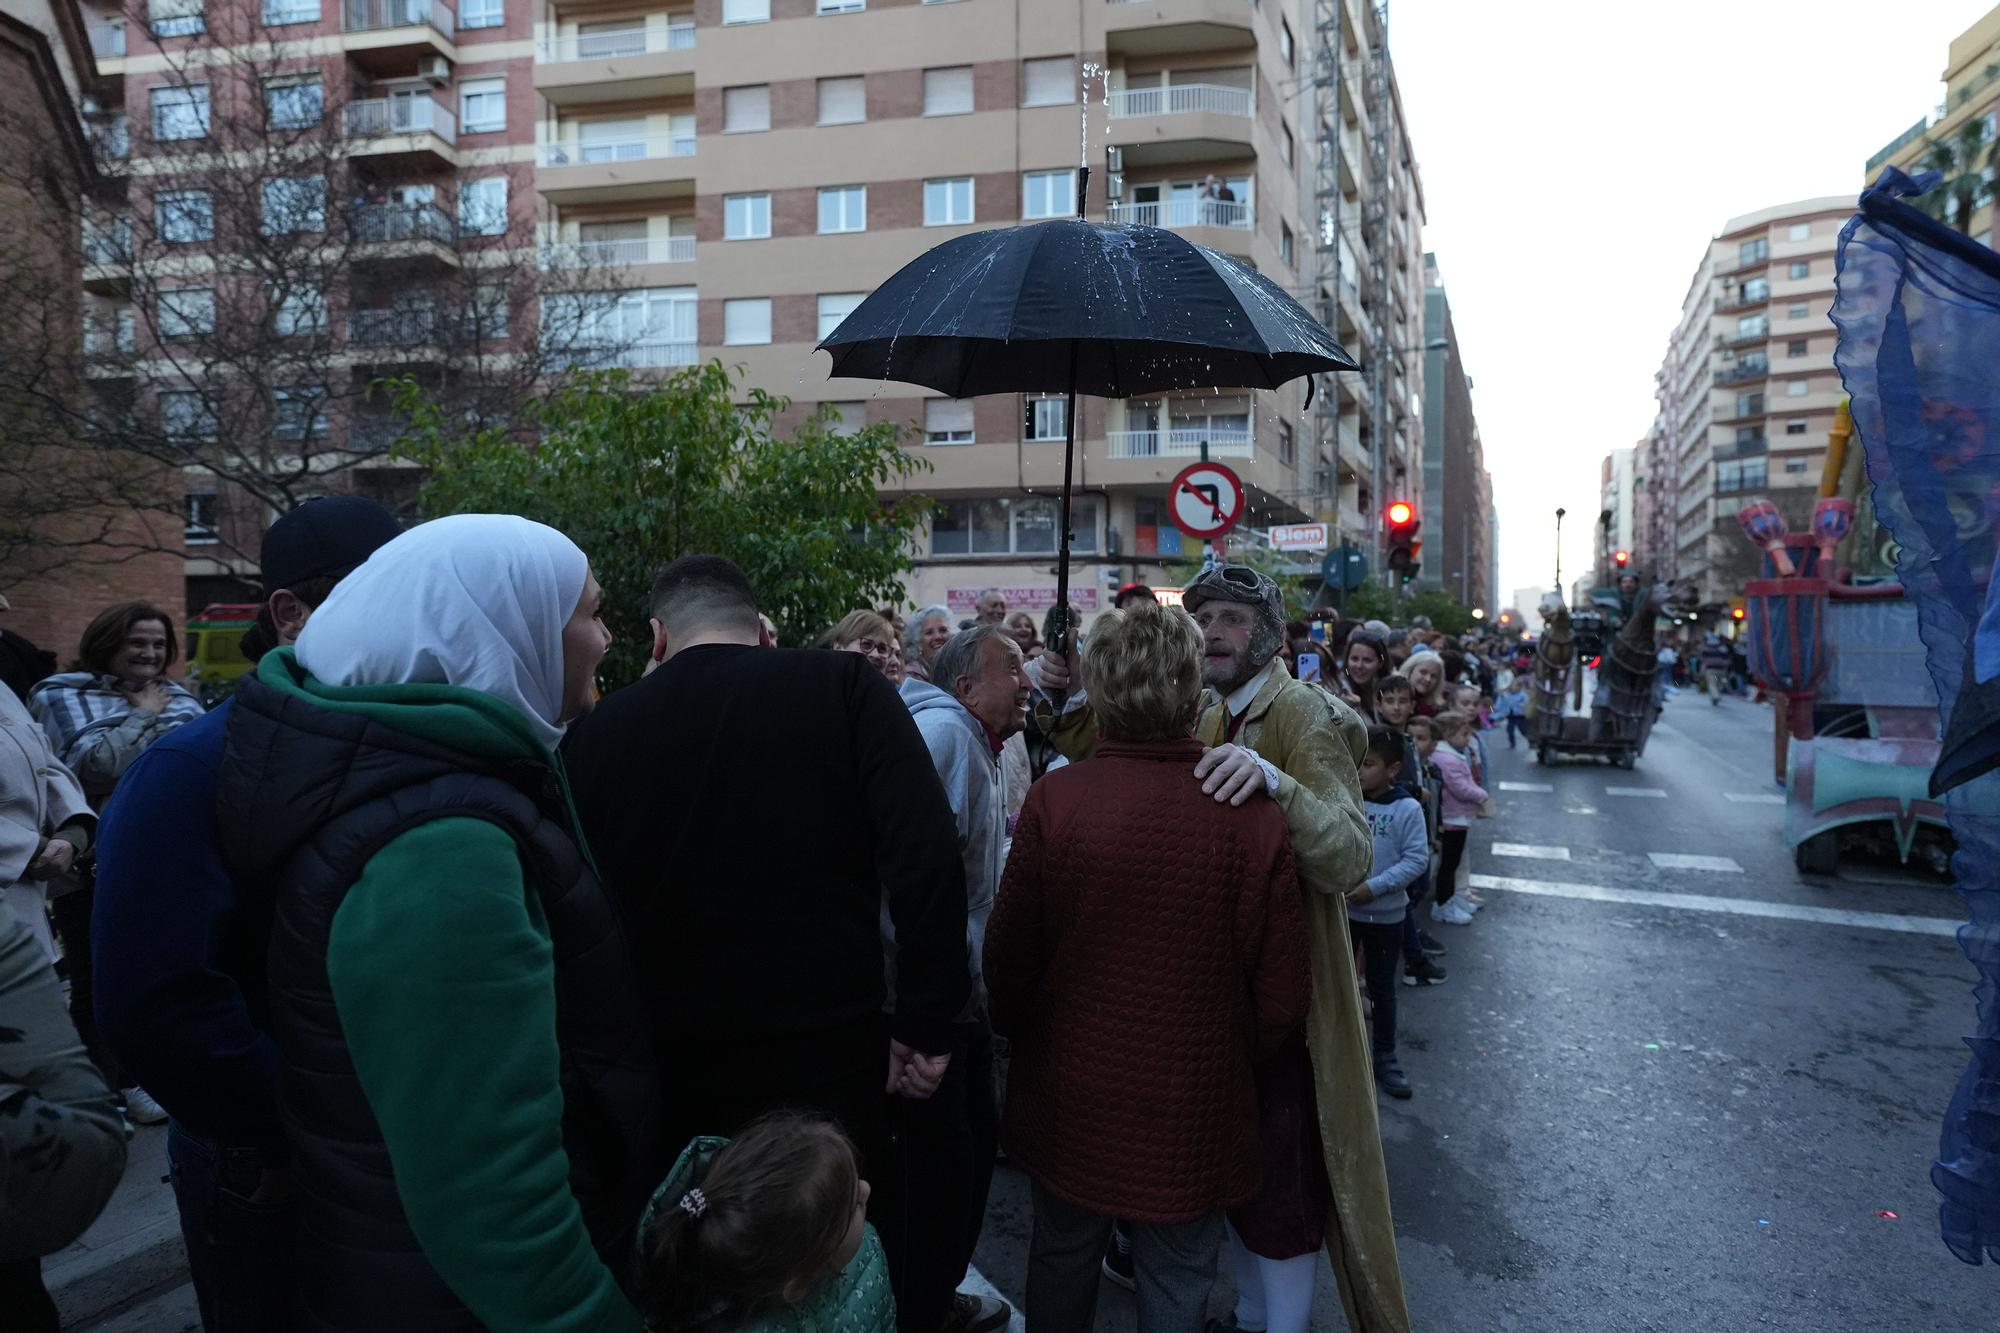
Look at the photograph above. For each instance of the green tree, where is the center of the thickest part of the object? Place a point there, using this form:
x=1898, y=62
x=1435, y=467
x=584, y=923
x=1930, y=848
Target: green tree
x=640, y=474
x=1968, y=160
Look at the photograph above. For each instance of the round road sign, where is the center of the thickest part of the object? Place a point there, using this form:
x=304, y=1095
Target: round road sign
x=1206, y=499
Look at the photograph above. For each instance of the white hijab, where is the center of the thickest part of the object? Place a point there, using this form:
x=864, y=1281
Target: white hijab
x=474, y=600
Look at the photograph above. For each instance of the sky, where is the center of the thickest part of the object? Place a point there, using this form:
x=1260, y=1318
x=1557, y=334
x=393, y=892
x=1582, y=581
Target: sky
x=1578, y=155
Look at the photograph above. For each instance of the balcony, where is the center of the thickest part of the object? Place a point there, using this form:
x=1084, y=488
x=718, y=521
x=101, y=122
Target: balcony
x=111, y=137
x=1179, y=443
x=400, y=133
x=648, y=355
x=107, y=257
x=1191, y=122
x=388, y=32
x=107, y=40
x=614, y=171
x=1742, y=372
x=1183, y=213
x=1745, y=338
x=619, y=254
x=628, y=65
x=1175, y=27
x=401, y=233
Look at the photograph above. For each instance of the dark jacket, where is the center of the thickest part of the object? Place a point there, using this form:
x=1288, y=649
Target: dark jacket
x=752, y=808
x=1148, y=946
x=467, y=1082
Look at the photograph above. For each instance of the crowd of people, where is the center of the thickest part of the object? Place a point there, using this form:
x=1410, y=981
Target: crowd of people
x=471, y=1000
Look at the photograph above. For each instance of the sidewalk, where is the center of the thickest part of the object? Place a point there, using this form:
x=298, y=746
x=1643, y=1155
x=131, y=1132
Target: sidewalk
x=132, y=1253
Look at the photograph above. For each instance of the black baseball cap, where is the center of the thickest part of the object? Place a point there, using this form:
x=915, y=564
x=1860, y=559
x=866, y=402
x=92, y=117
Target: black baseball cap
x=328, y=536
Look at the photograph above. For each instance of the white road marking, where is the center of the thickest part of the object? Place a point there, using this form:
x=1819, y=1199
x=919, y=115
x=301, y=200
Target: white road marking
x=976, y=1283
x=1688, y=861
x=1755, y=797
x=1579, y=809
x=1660, y=792
x=1526, y=786
x=1531, y=850
x=1699, y=902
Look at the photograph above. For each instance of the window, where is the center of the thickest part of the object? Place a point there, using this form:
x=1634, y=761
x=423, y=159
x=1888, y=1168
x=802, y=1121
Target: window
x=1796, y=347
x=1795, y=465
x=1795, y=428
x=1749, y=439
x=1285, y=244
x=482, y=206
x=1752, y=326
x=187, y=313
x=746, y=109
x=1287, y=149
x=200, y=527
x=1799, y=231
x=947, y=421
x=184, y=416
x=293, y=104
x=843, y=101
x=294, y=203
x=182, y=216
x=1153, y=530
x=1753, y=252
x=1797, y=388
x=1048, y=82
x=1012, y=526
x=1285, y=449
x=1799, y=268
x=176, y=18
x=488, y=318
x=1045, y=419
x=300, y=413
x=746, y=11
x=835, y=307
x=840, y=6
x=843, y=208
x=848, y=418
x=1750, y=404
x=948, y=91
x=1287, y=48
x=746, y=217
x=1757, y=289
x=1047, y=194
x=948, y=202
x=1747, y=475
x=746, y=322
x=300, y=310
x=482, y=105
x=277, y=13
x=1798, y=312
x=482, y=13
x=180, y=111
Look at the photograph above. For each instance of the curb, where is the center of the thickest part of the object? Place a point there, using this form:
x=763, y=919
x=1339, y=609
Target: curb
x=100, y=1282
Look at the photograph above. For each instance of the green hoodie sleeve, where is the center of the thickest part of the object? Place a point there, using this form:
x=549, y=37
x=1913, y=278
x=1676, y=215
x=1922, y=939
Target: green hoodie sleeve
x=443, y=976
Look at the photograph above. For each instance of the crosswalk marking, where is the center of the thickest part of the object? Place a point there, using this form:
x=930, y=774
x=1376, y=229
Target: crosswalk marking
x=1690, y=861
x=1526, y=786
x=1755, y=797
x=1531, y=850
x=1660, y=792
x=1701, y=902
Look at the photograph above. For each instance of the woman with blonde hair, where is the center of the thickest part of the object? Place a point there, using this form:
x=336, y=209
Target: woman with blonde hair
x=866, y=632
x=1425, y=671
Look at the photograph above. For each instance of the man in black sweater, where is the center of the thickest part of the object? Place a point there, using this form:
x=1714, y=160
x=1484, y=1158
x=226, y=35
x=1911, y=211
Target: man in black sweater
x=752, y=808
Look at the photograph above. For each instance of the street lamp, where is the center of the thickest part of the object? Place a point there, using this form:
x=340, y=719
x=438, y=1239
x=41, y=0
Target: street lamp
x=1479, y=613
x=1560, y=511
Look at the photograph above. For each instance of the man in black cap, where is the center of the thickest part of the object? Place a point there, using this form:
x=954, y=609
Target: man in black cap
x=179, y=949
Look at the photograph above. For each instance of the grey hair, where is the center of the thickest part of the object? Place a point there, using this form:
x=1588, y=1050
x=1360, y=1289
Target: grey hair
x=960, y=657
x=913, y=630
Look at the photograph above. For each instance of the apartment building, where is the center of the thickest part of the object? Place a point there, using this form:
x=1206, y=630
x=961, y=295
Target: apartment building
x=1618, y=516
x=1958, y=136
x=739, y=174
x=1747, y=390
x=1456, y=500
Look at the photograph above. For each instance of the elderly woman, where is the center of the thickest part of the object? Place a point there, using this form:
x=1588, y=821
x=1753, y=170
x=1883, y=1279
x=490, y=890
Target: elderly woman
x=929, y=631
x=1021, y=626
x=1148, y=948
x=868, y=633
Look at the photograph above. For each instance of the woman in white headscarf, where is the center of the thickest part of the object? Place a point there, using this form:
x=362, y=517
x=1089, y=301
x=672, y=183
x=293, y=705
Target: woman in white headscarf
x=468, y=1085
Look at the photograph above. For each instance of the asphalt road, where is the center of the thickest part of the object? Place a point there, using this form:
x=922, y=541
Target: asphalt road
x=1681, y=1096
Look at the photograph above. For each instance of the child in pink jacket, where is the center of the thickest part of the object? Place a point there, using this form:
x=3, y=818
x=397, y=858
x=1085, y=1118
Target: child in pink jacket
x=1463, y=800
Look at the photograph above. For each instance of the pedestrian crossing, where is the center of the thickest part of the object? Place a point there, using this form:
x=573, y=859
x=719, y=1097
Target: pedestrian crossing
x=1701, y=902
x=1531, y=851
x=1688, y=861
x=1659, y=793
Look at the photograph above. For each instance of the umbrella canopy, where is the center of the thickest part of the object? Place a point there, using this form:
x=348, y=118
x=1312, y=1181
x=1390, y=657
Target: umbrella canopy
x=1084, y=307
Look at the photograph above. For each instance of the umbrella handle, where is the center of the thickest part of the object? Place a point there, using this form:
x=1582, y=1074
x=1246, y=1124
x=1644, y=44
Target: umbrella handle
x=1065, y=632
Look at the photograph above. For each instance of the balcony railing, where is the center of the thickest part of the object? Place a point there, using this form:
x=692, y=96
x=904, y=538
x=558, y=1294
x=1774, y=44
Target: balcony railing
x=1179, y=443
x=376, y=15
x=639, y=41
x=616, y=150
x=373, y=117
x=393, y=328
x=372, y=223
x=111, y=138
x=640, y=250
x=107, y=40
x=1740, y=300
x=108, y=245
x=1184, y=213
x=1180, y=100
x=1742, y=371
x=650, y=354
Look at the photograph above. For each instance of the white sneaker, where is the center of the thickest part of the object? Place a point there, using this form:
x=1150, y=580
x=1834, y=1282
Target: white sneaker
x=140, y=1107
x=1451, y=913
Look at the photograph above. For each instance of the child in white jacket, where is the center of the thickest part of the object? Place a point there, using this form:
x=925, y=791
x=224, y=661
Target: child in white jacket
x=1464, y=800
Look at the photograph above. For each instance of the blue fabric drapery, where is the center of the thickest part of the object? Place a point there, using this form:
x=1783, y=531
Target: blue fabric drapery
x=1918, y=309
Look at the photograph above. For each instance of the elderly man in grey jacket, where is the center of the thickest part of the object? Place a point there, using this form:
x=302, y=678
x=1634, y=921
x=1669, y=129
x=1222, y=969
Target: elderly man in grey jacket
x=976, y=698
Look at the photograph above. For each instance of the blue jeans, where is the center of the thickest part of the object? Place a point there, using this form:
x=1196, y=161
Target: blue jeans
x=239, y=1252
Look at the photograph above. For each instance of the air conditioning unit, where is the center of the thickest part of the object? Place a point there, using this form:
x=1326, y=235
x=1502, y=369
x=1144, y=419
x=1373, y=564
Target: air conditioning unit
x=434, y=69
x=1727, y=283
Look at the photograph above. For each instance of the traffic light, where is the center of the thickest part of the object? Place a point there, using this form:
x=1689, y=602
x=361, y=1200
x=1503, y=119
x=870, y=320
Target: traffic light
x=1404, y=548
x=1621, y=559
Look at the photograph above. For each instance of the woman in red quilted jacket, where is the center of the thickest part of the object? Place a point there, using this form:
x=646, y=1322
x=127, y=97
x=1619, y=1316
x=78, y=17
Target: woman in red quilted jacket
x=1147, y=949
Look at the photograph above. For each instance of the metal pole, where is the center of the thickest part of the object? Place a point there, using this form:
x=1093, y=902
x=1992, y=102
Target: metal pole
x=1559, y=554
x=1063, y=627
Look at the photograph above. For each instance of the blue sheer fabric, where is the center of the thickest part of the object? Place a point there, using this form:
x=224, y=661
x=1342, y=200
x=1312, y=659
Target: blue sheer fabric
x=1918, y=309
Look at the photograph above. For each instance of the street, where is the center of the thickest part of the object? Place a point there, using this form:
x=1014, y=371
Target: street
x=1631, y=1116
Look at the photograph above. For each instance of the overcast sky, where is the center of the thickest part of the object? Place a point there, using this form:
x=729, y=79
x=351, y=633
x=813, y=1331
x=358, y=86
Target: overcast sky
x=1576, y=157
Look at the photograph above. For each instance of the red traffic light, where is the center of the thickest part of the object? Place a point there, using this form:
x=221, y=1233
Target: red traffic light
x=1736, y=613
x=1622, y=558
x=1399, y=512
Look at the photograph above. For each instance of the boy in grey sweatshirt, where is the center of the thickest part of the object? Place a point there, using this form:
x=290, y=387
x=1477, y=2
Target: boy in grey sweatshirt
x=1376, y=906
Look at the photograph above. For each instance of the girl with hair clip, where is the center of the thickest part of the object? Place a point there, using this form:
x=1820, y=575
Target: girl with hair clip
x=764, y=1233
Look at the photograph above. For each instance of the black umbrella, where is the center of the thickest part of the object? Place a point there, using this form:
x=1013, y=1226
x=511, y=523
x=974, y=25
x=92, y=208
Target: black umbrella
x=1080, y=307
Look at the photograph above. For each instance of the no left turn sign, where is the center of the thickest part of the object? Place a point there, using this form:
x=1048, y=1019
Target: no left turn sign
x=1206, y=499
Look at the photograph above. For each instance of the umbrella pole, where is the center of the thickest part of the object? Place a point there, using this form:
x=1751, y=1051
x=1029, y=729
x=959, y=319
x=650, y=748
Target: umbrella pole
x=1064, y=637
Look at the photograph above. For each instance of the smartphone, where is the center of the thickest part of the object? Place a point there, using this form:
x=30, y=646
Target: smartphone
x=1308, y=666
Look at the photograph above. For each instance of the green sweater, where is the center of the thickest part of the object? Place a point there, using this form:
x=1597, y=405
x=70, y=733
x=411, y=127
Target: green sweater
x=443, y=975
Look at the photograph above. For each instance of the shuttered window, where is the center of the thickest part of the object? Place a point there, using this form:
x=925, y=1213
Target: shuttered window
x=843, y=101
x=746, y=108
x=1049, y=82
x=948, y=92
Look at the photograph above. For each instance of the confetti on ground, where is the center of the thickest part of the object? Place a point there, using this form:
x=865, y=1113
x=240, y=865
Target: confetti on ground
x=1884, y=1212
x=1763, y=1221
x=1652, y=1046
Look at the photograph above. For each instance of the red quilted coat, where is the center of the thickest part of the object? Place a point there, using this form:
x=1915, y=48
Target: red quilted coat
x=1148, y=945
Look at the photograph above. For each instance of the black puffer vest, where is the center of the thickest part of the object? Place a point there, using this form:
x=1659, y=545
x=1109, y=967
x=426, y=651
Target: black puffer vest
x=308, y=795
